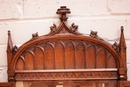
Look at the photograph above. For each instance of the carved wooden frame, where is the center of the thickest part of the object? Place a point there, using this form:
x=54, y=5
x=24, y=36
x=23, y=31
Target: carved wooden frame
x=63, y=31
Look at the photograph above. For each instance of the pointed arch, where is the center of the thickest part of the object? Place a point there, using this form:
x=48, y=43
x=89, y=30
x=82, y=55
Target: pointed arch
x=40, y=57
x=29, y=60
x=20, y=65
x=101, y=59
x=70, y=55
x=90, y=56
x=49, y=56
x=80, y=55
x=59, y=55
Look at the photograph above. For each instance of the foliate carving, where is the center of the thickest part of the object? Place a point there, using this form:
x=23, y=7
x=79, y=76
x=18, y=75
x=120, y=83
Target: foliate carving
x=94, y=35
x=14, y=49
x=66, y=75
x=116, y=46
x=35, y=36
x=74, y=28
x=53, y=28
x=63, y=11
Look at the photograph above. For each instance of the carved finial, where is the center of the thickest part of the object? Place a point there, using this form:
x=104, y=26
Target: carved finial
x=9, y=43
x=122, y=45
x=9, y=49
x=122, y=28
x=122, y=39
x=63, y=11
x=9, y=33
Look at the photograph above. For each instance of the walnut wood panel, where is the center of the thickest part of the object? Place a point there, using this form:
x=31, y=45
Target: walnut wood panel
x=55, y=56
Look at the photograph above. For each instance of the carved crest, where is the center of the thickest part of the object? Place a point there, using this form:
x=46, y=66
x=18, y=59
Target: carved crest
x=63, y=28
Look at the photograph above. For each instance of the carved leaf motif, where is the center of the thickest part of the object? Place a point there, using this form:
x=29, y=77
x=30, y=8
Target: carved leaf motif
x=53, y=28
x=94, y=35
x=35, y=36
x=116, y=46
x=74, y=28
x=14, y=49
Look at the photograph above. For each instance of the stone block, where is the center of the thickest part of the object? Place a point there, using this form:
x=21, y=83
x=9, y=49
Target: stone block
x=3, y=56
x=128, y=29
x=128, y=71
x=118, y=6
x=11, y=9
x=21, y=31
x=47, y=8
x=107, y=27
x=3, y=74
x=128, y=51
